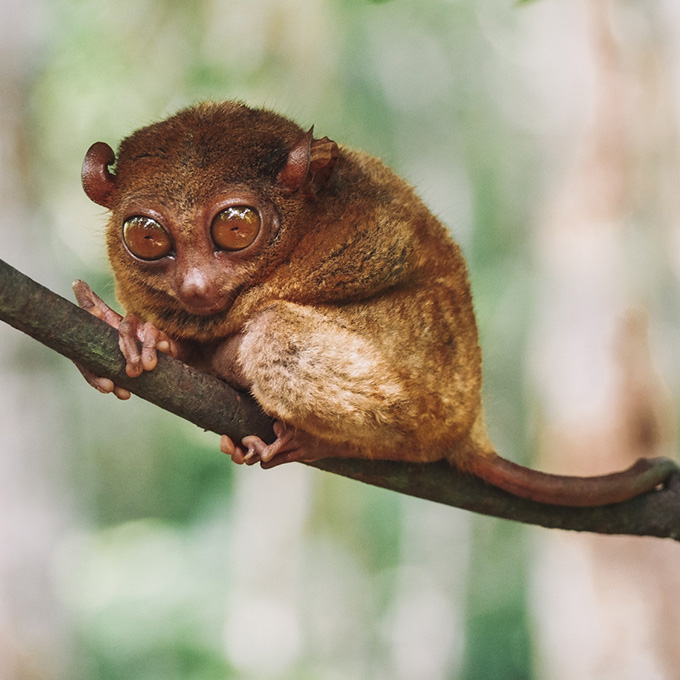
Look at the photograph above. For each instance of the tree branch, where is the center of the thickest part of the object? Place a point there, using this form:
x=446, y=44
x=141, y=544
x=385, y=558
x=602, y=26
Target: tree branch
x=213, y=405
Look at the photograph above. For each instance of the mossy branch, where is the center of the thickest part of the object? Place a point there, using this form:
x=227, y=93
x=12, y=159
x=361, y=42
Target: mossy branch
x=213, y=405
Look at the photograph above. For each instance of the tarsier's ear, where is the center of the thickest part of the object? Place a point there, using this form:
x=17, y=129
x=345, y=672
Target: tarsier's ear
x=310, y=164
x=98, y=181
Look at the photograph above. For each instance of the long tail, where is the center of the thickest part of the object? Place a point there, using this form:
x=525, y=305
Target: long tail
x=645, y=475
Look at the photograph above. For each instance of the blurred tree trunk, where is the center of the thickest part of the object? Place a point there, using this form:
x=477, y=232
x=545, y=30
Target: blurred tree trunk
x=33, y=637
x=608, y=607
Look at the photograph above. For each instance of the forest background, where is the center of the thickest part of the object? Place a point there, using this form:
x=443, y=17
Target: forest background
x=545, y=135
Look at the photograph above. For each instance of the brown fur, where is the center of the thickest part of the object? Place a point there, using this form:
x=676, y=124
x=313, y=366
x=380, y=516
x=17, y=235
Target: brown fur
x=349, y=318
x=357, y=311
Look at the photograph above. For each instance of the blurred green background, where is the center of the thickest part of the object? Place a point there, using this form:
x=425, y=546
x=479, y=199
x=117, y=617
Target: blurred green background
x=131, y=548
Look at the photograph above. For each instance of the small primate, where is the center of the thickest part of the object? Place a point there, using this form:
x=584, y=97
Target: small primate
x=313, y=277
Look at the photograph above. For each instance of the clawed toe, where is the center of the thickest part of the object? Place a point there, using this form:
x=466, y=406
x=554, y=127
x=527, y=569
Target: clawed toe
x=246, y=454
x=254, y=450
x=290, y=445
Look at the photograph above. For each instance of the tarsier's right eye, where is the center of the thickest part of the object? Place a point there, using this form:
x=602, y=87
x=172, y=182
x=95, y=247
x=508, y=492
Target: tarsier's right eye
x=145, y=238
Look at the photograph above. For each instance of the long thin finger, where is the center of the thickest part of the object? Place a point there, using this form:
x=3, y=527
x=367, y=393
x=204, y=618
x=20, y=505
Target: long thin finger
x=282, y=444
x=103, y=385
x=169, y=346
x=121, y=393
x=235, y=452
x=149, y=341
x=85, y=296
x=91, y=302
x=127, y=341
x=254, y=448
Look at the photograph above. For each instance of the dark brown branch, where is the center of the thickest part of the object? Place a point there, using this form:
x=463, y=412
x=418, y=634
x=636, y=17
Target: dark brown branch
x=214, y=406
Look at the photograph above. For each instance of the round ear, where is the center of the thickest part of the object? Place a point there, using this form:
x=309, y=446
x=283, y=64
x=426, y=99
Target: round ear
x=97, y=179
x=310, y=164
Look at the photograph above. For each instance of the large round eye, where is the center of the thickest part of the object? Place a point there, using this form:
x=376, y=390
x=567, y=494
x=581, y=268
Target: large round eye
x=145, y=238
x=235, y=227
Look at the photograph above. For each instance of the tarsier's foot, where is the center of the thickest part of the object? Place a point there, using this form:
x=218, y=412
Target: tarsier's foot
x=290, y=445
x=131, y=332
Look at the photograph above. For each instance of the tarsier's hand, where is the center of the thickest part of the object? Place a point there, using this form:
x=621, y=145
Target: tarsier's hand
x=131, y=332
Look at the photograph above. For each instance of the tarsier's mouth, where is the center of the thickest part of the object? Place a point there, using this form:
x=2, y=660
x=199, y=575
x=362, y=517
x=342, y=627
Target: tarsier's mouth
x=208, y=306
x=208, y=309
x=178, y=314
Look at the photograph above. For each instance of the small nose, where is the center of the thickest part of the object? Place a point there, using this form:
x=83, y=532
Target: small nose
x=199, y=288
x=198, y=292
x=194, y=285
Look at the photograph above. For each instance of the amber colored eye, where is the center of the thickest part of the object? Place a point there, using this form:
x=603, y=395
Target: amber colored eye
x=145, y=238
x=235, y=227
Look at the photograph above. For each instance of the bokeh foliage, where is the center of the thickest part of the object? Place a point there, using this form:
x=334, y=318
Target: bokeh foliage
x=180, y=565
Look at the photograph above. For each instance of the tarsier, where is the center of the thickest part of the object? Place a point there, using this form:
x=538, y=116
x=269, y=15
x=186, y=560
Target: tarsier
x=312, y=276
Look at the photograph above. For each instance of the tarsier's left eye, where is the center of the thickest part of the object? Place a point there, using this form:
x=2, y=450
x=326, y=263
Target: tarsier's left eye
x=235, y=227
x=146, y=238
